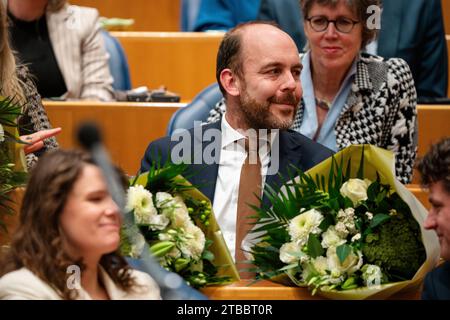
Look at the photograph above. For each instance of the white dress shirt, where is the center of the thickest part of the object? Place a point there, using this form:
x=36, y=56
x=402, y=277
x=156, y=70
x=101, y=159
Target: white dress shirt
x=232, y=157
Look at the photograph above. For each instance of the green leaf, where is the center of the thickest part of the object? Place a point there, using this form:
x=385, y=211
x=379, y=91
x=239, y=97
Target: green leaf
x=372, y=191
x=378, y=219
x=360, y=173
x=208, y=255
x=381, y=196
x=314, y=247
x=334, y=204
x=343, y=251
x=326, y=222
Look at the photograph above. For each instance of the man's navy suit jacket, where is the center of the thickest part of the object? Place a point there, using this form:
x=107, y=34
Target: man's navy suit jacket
x=437, y=283
x=294, y=150
x=410, y=29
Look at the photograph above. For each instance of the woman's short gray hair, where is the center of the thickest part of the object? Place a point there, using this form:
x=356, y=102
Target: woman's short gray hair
x=359, y=7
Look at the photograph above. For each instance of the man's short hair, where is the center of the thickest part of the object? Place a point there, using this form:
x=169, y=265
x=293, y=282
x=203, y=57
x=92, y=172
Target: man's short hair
x=435, y=165
x=229, y=54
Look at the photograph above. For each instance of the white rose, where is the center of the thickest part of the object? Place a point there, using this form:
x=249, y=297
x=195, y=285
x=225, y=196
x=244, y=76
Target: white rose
x=331, y=238
x=140, y=201
x=302, y=225
x=290, y=252
x=321, y=265
x=174, y=208
x=355, y=190
x=158, y=222
x=352, y=263
x=162, y=198
x=194, y=243
x=180, y=216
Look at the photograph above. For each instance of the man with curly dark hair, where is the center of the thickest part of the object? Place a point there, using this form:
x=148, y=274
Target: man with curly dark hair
x=434, y=168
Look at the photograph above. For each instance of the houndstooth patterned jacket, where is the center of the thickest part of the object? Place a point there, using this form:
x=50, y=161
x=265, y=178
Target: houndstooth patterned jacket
x=380, y=110
x=34, y=117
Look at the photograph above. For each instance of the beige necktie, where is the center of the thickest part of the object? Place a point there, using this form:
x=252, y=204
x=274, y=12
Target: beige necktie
x=249, y=186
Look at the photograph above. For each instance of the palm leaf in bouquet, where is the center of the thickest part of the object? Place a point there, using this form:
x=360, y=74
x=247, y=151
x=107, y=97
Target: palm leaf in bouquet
x=177, y=222
x=346, y=229
x=12, y=162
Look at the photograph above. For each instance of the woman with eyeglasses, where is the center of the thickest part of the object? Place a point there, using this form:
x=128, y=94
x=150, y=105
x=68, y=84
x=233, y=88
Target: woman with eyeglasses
x=350, y=97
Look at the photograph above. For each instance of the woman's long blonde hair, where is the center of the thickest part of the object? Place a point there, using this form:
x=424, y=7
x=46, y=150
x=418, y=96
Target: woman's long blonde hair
x=10, y=85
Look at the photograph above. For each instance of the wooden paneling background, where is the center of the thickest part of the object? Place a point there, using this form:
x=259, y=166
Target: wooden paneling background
x=148, y=15
x=184, y=62
x=127, y=128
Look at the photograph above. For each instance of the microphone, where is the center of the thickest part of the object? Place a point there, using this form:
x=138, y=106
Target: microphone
x=172, y=286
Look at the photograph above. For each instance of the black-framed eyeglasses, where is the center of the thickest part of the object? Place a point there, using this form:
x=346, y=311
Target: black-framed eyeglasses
x=320, y=23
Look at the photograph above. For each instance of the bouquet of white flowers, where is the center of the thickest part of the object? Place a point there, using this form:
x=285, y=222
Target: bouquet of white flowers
x=178, y=224
x=346, y=229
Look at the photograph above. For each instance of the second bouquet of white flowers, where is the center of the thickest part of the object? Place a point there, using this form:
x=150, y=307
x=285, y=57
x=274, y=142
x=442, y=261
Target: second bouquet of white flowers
x=345, y=230
x=177, y=223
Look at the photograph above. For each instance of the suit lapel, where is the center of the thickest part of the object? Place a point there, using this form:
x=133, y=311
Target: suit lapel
x=391, y=20
x=289, y=155
x=204, y=176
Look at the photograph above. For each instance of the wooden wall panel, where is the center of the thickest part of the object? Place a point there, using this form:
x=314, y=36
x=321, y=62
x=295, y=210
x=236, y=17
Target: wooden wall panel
x=127, y=127
x=446, y=14
x=448, y=64
x=434, y=124
x=184, y=62
x=148, y=15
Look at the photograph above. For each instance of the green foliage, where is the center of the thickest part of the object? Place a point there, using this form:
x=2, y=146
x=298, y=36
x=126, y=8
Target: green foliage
x=166, y=177
x=314, y=247
x=343, y=251
x=9, y=178
x=396, y=247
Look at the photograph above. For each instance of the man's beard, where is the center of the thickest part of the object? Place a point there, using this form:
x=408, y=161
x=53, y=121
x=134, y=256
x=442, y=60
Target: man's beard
x=258, y=115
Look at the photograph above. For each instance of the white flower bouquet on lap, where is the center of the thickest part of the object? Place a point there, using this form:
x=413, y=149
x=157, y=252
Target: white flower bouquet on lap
x=178, y=224
x=347, y=229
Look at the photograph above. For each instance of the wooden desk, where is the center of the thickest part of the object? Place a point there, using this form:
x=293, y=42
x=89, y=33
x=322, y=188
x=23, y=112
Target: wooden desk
x=184, y=62
x=266, y=290
x=127, y=127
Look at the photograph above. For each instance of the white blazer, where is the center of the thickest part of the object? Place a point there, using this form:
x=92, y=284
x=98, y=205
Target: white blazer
x=80, y=52
x=22, y=284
